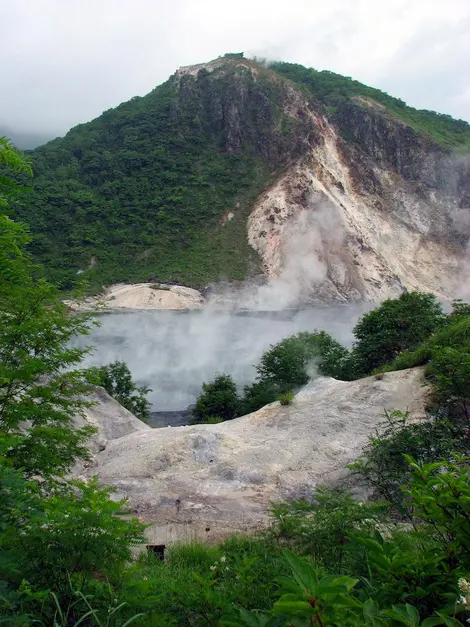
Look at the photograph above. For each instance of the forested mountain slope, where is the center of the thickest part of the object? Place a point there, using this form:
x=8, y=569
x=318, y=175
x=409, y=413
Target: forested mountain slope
x=206, y=177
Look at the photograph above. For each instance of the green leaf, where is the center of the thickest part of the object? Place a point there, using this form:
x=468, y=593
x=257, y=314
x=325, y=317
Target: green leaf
x=303, y=573
x=404, y=614
x=291, y=606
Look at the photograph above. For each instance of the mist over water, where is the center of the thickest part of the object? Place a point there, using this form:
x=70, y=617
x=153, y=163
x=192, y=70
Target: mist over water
x=175, y=352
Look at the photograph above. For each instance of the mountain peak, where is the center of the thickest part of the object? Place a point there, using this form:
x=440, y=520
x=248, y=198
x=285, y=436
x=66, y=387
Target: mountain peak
x=227, y=60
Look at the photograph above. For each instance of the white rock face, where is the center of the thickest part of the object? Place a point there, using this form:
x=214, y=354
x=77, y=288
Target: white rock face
x=110, y=418
x=318, y=235
x=208, y=481
x=142, y=296
x=321, y=236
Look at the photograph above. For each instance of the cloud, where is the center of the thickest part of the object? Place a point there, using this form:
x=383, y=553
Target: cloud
x=64, y=62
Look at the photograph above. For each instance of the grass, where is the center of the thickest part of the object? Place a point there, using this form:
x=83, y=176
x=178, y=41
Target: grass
x=286, y=398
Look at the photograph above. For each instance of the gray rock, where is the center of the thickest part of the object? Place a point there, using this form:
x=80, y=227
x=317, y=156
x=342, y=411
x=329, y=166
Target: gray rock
x=206, y=482
x=110, y=418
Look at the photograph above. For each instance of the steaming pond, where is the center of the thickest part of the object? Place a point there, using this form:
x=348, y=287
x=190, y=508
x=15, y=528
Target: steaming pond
x=174, y=352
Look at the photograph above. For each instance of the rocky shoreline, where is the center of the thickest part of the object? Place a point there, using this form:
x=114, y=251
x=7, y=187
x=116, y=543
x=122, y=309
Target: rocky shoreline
x=140, y=296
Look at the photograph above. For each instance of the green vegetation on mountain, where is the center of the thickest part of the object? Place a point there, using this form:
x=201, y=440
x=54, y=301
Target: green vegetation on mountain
x=148, y=189
x=143, y=188
x=333, y=91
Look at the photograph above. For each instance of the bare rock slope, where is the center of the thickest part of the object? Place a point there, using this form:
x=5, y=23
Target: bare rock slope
x=365, y=219
x=207, y=481
x=111, y=419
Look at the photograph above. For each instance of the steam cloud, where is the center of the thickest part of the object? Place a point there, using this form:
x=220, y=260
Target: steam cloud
x=303, y=263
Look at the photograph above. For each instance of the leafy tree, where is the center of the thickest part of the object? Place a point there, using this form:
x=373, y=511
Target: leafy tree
x=219, y=399
x=39, y=383
x=117, y=380
x=399, y=324
x=450, y=373
x=291, y=363
x=10, y=159
x=51, y=528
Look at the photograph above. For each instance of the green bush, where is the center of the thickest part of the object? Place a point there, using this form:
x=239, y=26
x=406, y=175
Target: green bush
x=383, y=465
x=286, y=398
x=398, y=325
x=117, y=380
x=257, y=395
x=454, y=334
x=449, y=371
x=324, y=528
x=219, y=398
x=413, y=578
x=291, y=363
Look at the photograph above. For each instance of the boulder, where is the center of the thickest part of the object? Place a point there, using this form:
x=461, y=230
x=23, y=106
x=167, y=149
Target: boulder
x=111, y=419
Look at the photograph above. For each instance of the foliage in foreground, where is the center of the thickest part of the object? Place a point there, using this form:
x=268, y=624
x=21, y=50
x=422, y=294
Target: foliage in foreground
x=328, y=561
x=52, y=529
x=383, y=466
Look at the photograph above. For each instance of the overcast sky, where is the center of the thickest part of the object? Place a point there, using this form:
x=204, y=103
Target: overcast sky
x=65, y=61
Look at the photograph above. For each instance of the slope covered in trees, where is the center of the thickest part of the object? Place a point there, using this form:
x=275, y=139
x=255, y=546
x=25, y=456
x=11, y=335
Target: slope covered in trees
x=162, y=185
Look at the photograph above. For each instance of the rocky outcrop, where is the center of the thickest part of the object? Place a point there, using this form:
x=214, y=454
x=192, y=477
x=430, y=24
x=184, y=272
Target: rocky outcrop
x=141, y=296
x=238, y=103
x=111, y=420
x=365, y=219
x=365, y=208
x=205, y=482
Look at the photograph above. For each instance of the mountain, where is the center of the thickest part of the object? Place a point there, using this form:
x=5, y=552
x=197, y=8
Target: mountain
x=232, y=168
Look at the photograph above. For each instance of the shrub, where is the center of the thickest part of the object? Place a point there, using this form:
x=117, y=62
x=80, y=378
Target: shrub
x=219, y=398
x=449, y=370
x=291, y=363
x=397, y=325
x=286, y=398
x=117, y=380
x=383, y=465
x=258, y=395
x=455, y=334
x=324, y=527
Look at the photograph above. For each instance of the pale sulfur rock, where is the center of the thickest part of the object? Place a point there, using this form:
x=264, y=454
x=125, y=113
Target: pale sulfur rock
x=205, y=482
x=141, y=296
x=321, y=239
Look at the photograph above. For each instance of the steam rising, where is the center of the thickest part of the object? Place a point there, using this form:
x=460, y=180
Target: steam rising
x=302, y=263
x=175, y=352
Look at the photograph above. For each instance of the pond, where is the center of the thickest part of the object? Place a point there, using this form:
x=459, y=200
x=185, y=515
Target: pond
x=175, y=352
